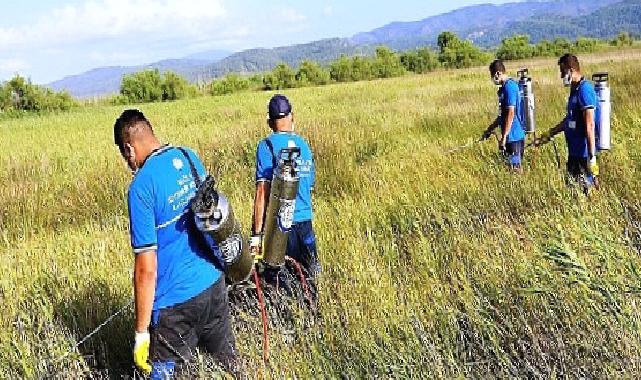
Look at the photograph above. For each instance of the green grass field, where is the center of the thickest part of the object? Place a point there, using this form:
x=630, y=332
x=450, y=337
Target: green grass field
x=435, y=266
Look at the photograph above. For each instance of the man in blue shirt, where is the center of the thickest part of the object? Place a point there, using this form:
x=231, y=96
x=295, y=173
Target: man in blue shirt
x=301, y=244
x=180, y=294
x=512, y=140
x=578, y=125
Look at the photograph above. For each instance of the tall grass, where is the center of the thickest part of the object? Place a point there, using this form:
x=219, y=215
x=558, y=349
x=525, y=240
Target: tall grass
x=435, y=266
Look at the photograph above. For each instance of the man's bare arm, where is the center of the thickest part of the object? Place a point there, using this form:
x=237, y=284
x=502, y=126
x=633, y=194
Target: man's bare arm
x=261, y=200
x=588, y=114
x=144, y=288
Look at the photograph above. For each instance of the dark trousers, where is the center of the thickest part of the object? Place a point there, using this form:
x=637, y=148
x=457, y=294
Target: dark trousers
x=514, y=153
x=203, y=321
x=301, y=246
x=579, y=172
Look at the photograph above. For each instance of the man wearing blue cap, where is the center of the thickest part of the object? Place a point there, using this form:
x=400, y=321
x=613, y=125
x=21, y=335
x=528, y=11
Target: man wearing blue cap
x=301, y=244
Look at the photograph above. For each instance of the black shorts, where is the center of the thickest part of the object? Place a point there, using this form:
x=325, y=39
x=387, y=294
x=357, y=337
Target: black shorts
x=203, y=321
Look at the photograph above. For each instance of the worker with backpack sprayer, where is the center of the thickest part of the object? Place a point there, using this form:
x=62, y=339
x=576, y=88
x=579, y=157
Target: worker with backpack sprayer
x=282, y=222
x=586, y=125
x=509, y=120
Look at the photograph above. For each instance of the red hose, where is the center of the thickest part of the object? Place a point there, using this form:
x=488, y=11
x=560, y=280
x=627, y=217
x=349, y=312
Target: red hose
x=302, y=279
x=263, y=314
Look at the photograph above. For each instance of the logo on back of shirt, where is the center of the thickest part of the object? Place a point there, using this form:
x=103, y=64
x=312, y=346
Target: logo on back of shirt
x=291, y=144
x=178, y=164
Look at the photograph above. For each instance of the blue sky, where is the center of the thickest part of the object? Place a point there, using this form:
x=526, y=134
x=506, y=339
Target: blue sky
x=47, y=40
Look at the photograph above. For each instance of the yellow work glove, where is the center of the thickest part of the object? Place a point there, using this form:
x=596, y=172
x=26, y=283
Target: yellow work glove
x=593, y=167
x=141, y=352
x=256, y=247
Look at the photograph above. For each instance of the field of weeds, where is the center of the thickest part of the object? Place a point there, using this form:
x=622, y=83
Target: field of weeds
x=434, y=265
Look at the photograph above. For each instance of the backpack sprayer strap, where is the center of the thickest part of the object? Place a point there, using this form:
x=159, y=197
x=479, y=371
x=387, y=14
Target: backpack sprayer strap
x=194, y=172
x=270, y=146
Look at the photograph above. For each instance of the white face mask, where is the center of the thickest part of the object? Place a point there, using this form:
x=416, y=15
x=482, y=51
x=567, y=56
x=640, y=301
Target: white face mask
x=496, y=79
x=567, y=79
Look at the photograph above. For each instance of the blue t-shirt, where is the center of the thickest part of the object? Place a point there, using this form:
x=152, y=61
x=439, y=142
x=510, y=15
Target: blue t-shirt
x=509, y=97
x=265, y=161
x=582, y=97
x=158, y=203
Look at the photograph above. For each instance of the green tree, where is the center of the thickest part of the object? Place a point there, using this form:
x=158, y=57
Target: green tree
x=460, y=54
x=420, y=61
x=142, y=87
x=19, y=94
x=623, y=39
x=516, y=47
x=362, y=68
x=447, y=39
x=281, y=77
x=230, y=84
x=173, y=86
x=341, y=69
x=387, y=64
x=311, y=73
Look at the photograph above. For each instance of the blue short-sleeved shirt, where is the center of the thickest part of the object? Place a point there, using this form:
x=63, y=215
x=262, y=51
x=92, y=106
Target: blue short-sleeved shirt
x=265, y=162
x=582, y=97
x=509, y=97
x=158, y=202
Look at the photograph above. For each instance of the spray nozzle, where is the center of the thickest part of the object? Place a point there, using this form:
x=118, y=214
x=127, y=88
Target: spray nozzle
x=601, y=77
x=206, y=200
x=523, y=73
x=289, y=155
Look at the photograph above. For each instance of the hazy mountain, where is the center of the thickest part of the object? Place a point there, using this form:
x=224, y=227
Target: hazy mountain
x=212, y=55
x=258, y=60
x=484, y=24
x=475, y=21
x=106, y=80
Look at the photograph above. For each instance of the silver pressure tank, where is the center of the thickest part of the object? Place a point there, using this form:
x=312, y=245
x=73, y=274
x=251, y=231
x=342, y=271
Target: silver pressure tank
x=528, y=115
x=215, y=218
x=279, y=217
x=603, y=111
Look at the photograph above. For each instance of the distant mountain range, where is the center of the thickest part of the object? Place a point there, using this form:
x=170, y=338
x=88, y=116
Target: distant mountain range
x=486, y=25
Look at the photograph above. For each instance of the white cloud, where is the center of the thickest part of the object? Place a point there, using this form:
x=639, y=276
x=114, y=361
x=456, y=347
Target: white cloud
x=110, y=19
x=12, y=65
x=292, y=15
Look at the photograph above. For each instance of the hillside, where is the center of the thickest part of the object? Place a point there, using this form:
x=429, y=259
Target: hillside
x=474, y=20
x=434, y=266
x=486, y=25
x=106, y=80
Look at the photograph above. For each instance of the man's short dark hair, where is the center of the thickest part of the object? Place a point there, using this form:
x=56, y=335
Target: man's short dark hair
x=497, y=67
x=571, y=61
x=128, y=121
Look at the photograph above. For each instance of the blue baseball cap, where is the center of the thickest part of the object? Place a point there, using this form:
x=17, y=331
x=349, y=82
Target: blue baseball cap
x=279, y=107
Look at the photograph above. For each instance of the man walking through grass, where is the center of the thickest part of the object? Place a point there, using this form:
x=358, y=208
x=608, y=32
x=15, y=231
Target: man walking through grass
x=180, y=295
x=578, y=125
x=512, y=133
x=301, y=244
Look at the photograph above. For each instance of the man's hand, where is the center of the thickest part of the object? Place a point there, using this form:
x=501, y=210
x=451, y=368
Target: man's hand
x=141, y=352
x=256, y=246
x=543, y=139
x=502, y=146
x=593, y=167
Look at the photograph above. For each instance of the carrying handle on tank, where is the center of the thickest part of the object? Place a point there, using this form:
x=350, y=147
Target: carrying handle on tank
x=601, y=77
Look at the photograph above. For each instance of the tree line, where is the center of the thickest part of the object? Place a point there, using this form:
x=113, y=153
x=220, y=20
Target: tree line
x=19, y=95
